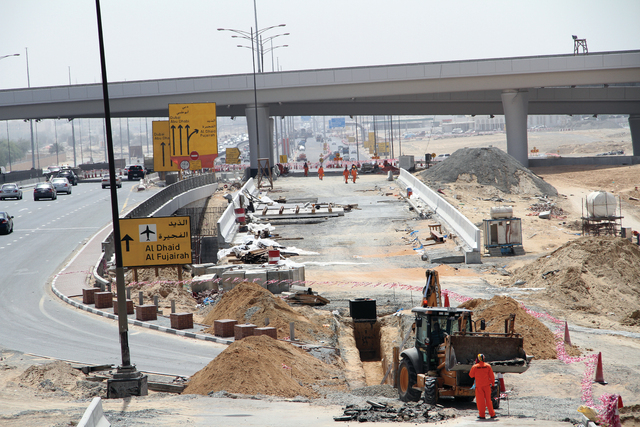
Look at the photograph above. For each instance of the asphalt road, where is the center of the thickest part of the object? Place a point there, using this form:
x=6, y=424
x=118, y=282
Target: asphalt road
x=33, y=320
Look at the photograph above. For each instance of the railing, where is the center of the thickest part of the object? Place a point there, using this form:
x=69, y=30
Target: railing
x=459, y=223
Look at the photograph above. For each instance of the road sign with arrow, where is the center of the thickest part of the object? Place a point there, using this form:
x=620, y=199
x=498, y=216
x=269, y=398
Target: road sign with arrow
x=162, y=147
x=155, y=241
x=193, y=129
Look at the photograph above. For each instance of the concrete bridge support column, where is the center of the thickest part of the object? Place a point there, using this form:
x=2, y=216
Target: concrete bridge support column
x=634, y=126
x=516, y=106
x=259, y=137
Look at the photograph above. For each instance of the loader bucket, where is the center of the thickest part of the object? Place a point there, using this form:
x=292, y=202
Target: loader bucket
x=504, y=353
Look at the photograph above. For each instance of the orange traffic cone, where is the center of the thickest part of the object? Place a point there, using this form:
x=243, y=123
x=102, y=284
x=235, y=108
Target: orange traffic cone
x=599, y=375
x=446, y=300
x=620, y=405
x=501, y=382
x=567, y=339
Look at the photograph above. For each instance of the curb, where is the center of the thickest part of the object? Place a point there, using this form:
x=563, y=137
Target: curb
x=131, y=321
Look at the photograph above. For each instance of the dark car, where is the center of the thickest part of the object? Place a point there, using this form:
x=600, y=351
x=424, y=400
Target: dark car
x=6, y=223
x=135, y=171
x=69, y=174
x=44, y=190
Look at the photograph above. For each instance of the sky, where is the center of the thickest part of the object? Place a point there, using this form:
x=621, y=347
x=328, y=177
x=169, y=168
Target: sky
x=154, y=39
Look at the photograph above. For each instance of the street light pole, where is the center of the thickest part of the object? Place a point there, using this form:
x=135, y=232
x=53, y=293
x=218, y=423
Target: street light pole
x=33, y=154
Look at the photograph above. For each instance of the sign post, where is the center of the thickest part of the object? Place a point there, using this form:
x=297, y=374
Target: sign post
x=193, y=129
x=148, y=242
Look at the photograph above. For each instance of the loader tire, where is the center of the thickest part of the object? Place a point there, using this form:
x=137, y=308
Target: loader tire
x=407, y=378
x=495, y=395
x=465, y=398
x=430, y=390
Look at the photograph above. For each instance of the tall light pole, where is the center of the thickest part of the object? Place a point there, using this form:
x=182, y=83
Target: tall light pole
x=33, y=154
x=254, y=37
x=9, y=145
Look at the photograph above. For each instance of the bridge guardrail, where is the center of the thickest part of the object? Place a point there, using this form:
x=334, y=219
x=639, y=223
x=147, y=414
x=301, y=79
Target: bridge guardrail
x=459, y=223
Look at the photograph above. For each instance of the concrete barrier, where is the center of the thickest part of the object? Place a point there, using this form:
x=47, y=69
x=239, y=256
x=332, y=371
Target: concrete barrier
x=460, y=224
x=227, y=227
x=94, y=416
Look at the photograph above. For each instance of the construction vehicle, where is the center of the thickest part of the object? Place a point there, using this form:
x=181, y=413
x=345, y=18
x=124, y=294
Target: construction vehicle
x=447, y=342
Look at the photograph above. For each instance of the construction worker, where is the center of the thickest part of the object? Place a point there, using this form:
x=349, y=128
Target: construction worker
x=320, y=172
x=485, y=379
x=306, y=169
x=354, y=173
x=345, y=173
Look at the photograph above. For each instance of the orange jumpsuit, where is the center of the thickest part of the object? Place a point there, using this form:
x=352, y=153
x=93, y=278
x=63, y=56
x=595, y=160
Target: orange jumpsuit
x=320, y=173
x=485, y=379
x=345, y=173
x=306, y=170
x=354, y=173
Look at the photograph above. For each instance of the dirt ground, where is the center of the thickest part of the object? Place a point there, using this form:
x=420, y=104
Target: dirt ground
x=545, y=241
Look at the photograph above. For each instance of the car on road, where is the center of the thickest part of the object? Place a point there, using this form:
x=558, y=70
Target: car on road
x=106, y=181
x=44, y=190
x=10, y=191
x=135, y=171
x=69, y=174
x=6, y=223
x=62, y=185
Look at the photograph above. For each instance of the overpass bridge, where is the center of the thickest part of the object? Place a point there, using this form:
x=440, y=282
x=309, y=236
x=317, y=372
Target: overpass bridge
x=594, y=83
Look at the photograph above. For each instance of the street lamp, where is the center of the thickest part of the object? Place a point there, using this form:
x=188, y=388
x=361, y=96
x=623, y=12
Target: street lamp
x=254, y=38
x=6, y=56
x=271, y=49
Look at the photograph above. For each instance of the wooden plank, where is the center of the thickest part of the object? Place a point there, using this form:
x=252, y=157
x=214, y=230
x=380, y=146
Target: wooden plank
x=166, y=387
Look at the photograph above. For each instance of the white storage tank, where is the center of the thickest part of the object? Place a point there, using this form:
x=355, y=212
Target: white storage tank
x=501, y=212
x=601, y=204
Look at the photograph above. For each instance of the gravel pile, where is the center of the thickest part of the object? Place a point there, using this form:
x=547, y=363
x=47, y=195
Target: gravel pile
x=487, y=166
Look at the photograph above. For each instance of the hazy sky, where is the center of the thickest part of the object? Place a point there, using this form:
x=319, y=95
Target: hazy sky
x=150, y=39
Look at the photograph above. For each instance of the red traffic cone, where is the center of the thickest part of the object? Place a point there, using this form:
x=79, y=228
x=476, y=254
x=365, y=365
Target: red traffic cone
x=567, y=339
x=620, y=405
x=446, y=300
x=501, y=382
x=599, y=375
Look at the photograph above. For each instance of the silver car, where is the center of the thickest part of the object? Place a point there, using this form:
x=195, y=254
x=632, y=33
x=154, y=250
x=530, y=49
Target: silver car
x=62, y=185
x=10, y=191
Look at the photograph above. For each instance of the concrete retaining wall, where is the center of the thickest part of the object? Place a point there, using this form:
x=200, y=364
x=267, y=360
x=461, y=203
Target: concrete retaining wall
x=460, y=224
x=585, y=161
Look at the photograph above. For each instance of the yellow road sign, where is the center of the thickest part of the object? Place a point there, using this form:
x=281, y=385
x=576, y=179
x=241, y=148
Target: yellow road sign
x=155, y=241
x=284, y=159
x=232, y=156
x=162, y=147
x=193, y=133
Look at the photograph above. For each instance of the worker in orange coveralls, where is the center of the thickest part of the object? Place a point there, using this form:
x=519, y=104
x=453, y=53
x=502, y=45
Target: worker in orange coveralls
x=320, y=172
x=306, y=169
x=485, y=379
x=345, y=173
x=354, y=173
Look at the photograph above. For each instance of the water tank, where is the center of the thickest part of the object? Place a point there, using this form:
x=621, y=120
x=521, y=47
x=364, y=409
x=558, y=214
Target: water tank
x=501, y=212
x=601, y=204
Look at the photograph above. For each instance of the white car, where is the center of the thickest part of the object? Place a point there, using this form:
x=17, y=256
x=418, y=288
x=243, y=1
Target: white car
x=10, y=191
x=441, y=157
x=62, y=185
x=106, y=181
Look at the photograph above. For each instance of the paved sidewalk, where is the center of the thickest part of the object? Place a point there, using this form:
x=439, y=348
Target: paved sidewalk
x=78, y=274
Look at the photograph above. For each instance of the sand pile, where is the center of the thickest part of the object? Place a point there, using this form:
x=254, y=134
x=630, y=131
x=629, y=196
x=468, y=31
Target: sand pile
x=166, y=291
x=489, y=167
x=539, y=341
x=597, y=275
x=251, y=303
x=262, y=365
x=59, y=377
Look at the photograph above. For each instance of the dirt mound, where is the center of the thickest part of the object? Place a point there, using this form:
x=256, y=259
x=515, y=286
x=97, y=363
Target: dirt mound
x=251, y=303
x=487, y=166
x=597, y=275
x=166, y=291
x=61, y=378
x=539, y=341
x=262, y=365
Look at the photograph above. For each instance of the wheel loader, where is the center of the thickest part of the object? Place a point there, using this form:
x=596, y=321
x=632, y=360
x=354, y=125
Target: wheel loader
x=447, y=341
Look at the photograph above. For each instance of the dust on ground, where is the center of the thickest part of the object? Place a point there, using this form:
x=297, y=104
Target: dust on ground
x=594, y=275
x=274, y=368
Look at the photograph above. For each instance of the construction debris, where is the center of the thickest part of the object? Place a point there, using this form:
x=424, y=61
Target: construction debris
x=305, y=296
x=384, y=412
